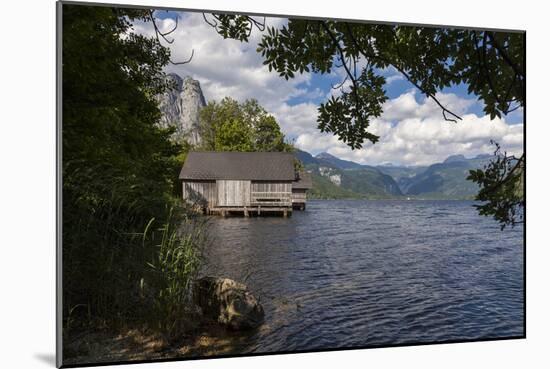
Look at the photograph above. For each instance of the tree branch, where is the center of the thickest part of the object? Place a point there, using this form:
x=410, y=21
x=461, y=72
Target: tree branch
x=339, y=85
x=344, y=64
x=513, y=109
x=444, y=110
x=505, y=56
x=482, y=59
x=159, y=35
x=211, y=24
x=508, y=175
x=259, y=25
x=185, y=61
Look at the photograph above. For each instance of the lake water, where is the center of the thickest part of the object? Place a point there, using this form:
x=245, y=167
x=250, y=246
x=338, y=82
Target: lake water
x=369, y=273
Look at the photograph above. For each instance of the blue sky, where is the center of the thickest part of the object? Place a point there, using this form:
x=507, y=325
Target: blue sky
x=396, y=87
x=411, y=129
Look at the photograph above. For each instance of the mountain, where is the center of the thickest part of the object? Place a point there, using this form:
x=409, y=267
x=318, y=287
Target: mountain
x=455, y=159
x=305, y=157
x=180, y=108
x=324, y=188
x=446, y=180
x=337, y=178
x=401, y=175
x=371, y=183
x=339, y=163
x=484, y=156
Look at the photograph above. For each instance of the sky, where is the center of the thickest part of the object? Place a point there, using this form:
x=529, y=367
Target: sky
x=412, y=129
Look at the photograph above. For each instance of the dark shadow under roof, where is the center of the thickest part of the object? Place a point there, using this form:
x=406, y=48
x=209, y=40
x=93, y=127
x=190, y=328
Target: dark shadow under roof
x=304, y=182
x=255, y=166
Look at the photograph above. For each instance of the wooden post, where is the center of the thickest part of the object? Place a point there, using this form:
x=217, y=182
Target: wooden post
x=223, y=213
x=245, y=212
x=258, y=210
x=285, y=213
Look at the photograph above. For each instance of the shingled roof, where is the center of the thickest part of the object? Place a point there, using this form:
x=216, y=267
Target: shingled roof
x=255, y=166
x=304, y=182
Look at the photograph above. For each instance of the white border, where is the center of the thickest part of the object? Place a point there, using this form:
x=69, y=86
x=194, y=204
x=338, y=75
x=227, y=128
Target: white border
x=27, y=202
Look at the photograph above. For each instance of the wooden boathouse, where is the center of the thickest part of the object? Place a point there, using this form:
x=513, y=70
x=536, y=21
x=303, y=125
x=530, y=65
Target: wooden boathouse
x=247, y=183
x=299, y=190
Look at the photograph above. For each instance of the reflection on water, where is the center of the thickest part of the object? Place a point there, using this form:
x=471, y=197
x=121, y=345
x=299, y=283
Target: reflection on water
x=360, y=273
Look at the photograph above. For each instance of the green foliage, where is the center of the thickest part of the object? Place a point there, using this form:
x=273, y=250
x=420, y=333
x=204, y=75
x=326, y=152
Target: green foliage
x=230, y=126
x=233, y=135
x=502, y=188
x=348, y=115
x=324, y=189
x=268, y=135
x=119, y=168
x=232, y=26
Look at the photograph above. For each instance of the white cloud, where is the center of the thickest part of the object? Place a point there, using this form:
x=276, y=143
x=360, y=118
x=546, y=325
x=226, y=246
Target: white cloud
x=405, y=106
x=226, y=67
x=393, y=78
x=296, y=120
x=412, y=129
x=415, y=133
x=392, y=75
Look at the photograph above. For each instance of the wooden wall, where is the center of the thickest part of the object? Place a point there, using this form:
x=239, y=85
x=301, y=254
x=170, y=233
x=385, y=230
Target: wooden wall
x=233, y=193
x=237, y=193
x=271, y=193
x=299, y=195
x=271, y=186
x=201, y=193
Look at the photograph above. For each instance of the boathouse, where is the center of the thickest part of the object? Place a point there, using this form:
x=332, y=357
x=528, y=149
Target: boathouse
x=239, y=182
x=299, y=190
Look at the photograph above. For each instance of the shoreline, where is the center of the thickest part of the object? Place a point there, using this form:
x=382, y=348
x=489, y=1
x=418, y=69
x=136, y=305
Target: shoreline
x=101, y=345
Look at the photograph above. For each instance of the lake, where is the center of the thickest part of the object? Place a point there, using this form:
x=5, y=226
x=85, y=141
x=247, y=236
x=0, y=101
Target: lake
x=368, y=273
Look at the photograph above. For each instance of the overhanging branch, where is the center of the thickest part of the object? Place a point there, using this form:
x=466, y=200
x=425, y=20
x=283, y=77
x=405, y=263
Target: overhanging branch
x=162, y=35
x=367, y=55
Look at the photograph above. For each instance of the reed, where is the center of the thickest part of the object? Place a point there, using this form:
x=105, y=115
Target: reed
x=174, y=267
x=130, y=254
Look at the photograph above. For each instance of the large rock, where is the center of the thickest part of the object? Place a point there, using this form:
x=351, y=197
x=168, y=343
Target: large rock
x=180, y=108
x=228, y=302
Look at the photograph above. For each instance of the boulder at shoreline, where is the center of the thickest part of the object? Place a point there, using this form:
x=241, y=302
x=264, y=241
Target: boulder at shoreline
x=228, y=302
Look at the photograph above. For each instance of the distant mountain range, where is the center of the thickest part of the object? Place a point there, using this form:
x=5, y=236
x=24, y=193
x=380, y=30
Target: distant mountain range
x=335, y=178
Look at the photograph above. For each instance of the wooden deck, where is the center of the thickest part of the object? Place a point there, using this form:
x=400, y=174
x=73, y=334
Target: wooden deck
x=247, y=211
x=277, y=199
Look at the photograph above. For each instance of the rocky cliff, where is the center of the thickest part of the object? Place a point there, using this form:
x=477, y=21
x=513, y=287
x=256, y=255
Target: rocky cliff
x=180, y=108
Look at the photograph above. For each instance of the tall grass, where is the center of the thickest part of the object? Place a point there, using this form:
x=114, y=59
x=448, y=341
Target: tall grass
x=130, y=255
x=176, y=263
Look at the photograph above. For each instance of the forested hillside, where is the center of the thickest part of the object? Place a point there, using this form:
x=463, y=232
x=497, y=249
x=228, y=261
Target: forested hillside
x=337, y=178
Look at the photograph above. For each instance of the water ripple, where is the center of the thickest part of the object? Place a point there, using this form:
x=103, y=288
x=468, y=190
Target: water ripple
x=360, y=273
